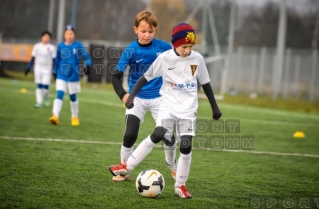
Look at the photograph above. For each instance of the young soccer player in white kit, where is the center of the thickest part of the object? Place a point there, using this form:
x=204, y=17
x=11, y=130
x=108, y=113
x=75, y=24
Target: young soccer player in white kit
x=43, y=54
x=180, y=69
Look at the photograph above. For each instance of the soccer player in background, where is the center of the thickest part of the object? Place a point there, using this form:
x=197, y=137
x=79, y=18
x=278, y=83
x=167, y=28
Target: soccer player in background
x=180, y=69
x=139, y=55
x=67, y=70
x=43, y=54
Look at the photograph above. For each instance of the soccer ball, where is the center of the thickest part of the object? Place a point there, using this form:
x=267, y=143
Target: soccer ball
x=150, y=183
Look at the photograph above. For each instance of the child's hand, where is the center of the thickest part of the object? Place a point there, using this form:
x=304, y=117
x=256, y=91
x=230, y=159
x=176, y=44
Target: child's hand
x=54, y=76
x=129, y=105
x=26, y=71
x=216, y=114
x=129, y=101
x=124, y=99
x=88, y=69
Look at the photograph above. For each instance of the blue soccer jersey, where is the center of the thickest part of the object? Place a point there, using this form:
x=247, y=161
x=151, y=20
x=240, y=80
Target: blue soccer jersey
x=139, y=58
x=67, y=65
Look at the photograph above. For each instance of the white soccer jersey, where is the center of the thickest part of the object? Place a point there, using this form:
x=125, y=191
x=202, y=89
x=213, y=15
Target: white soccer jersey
x=43, y=53
x=180, y=75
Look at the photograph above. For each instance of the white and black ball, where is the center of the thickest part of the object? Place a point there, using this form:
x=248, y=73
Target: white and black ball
x=150, y=183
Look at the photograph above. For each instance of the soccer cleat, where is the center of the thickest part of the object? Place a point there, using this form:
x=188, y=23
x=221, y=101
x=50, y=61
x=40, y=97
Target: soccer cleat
x=75, y=121
x=37, y=105
x=119, y=170
x=119, y=178
x=173, y=169
x=182, y=192
x=54, y=120
x=46, y=102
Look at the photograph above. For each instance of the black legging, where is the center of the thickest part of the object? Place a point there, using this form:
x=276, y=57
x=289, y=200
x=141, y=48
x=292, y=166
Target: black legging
x=132, y=126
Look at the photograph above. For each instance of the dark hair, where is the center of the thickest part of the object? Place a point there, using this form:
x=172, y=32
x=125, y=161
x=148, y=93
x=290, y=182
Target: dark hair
x=46, y=32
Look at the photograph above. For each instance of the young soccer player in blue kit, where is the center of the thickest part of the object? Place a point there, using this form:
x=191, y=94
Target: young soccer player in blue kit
x=67, y=70
x=139, y=55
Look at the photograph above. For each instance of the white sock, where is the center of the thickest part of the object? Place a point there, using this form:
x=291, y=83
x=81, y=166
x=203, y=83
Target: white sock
x=46, y=93
x=39, y=95
x=170, y=154
x=74, y=108
x=140, y=153
x=57, y=106
x=125, y=153
x=183, y=166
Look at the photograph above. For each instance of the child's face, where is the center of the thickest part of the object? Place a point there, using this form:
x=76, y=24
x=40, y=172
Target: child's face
x=69, y=36
x=45, y=39
x=145, y=32
x=184, y=50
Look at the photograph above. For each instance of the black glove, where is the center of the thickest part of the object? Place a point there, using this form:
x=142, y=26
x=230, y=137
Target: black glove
x=27, y=71
x=129, y=105
x=216, y=114
x=54, y=76
x=88, y=69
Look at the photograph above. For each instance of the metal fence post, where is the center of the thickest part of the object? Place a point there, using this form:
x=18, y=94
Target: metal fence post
x=61, y=15
x=261, y=70
x=286, y=74
x=281, y=38
x=253, y=73
x=296, y=89
x=239, y=68
x=51, y=15
x=313, y=74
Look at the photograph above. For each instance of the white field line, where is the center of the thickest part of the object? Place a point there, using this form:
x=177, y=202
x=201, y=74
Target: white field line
x=102, y=102
x=272, y=122
x=81, y=99
x=270, y=111
x=228, y=106
x=118, y=143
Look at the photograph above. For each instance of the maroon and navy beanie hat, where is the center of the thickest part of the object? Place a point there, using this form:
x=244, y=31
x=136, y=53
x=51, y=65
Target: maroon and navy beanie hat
x=183, y=33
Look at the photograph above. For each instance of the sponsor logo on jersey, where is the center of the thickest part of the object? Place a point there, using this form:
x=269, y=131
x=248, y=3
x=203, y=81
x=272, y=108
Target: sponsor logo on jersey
x=193, y=68
x=171, y=68
x=184, y=86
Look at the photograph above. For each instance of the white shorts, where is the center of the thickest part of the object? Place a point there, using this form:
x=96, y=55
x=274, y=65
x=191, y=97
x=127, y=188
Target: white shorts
x=69, y=87
x=142, y=105
x=42, y=75
x=184, y=126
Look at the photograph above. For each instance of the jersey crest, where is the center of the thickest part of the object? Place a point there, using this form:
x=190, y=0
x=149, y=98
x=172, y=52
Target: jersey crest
x=193, y=69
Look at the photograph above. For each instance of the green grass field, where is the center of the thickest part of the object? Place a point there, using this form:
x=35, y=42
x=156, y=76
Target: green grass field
x=46, y=166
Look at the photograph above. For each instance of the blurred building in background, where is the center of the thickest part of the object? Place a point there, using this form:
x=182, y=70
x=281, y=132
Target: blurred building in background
x=246, y=52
